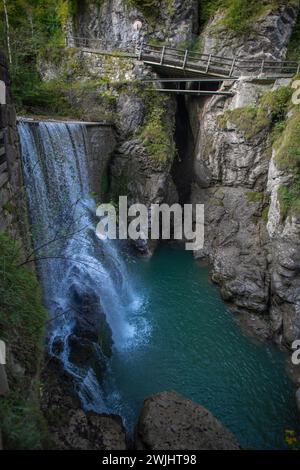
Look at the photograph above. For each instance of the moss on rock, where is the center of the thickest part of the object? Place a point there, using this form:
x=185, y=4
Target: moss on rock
x=254, y=196
x=157, y=133
x=270, y=111
x=240, y=15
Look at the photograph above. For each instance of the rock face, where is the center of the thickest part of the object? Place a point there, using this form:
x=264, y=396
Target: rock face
x=113, y=22
x=231, y=173
x=133, y=172
x=138, y=117
x=284, y=256
x=70, y=427
x=268, y=39
x=169, y=421
x=101, y=144
x=12, y=207
x=253, y=252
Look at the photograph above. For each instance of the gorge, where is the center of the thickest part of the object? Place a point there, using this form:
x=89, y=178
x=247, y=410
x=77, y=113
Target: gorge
x=121, y=322
x=158, y=344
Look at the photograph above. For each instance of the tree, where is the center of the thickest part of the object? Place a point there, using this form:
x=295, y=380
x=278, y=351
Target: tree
x=7, y=31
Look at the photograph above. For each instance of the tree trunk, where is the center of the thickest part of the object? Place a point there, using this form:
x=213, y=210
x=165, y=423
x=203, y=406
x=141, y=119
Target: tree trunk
x=7, y=32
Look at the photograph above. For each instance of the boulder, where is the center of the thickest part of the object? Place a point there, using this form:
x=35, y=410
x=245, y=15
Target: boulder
x=70, y=427
x=87, y=312
x=169, y=421
x=91, y=338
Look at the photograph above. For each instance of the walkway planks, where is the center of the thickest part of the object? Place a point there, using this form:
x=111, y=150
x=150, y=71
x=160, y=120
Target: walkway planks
x=174, y=64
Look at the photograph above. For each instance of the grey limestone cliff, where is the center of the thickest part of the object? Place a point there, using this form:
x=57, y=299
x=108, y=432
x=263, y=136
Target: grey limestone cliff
x=253, y=251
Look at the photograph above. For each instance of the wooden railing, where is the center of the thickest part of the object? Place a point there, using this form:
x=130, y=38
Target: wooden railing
x=186, y=60
x=213, y=64
x=80, y=42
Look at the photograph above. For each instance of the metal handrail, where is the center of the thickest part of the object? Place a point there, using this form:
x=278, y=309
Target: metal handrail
x=185, y=59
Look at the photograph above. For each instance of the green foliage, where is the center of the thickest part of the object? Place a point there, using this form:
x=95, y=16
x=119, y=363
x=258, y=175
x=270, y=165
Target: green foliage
x=22, y=423
x=251, y=120
x=276, y=113
x=208, y=8
x=289, y=199
x=22, y=324
x=277, y=103
x=44, y=99
x=288, y=143
x=292, y=439
x=36, y=28
x=156, y=135
x=254, y=196
x=268, y=114
x=240, y=15
x=64, y=97
x=287, y=148
x=66, y=9
x=265, y=214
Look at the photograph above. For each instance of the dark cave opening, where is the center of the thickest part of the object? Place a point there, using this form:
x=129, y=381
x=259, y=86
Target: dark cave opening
x=182, y=171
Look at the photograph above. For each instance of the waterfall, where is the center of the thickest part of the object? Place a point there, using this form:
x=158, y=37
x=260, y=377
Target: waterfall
x=85, y=281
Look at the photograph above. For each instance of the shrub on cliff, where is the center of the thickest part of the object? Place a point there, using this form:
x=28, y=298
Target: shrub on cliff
x=239, y=15
x=276, y=114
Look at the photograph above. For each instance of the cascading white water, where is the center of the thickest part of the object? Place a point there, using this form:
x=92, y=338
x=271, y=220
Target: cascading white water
x=72, y=263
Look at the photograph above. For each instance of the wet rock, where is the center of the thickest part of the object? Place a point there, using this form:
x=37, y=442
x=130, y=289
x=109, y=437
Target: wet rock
x=90, y=325
x=255, y=325
x=70, y=427
x=169, y=421
x=86, y=355
x=87, y=312
x=142, y=247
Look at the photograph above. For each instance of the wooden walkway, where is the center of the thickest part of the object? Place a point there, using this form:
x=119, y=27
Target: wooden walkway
x=171, y=62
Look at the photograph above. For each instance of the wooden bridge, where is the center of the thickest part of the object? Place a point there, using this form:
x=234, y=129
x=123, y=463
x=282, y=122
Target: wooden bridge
x=168, y=60
x=174, y=64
